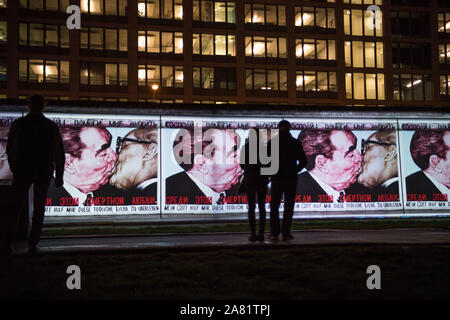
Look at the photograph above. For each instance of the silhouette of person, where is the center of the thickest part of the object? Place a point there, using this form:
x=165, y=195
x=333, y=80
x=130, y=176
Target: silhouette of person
x=292, y=159
x=255, y=184
x=35, y=149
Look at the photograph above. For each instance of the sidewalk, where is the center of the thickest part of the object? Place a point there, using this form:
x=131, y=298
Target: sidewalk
x=214, y=241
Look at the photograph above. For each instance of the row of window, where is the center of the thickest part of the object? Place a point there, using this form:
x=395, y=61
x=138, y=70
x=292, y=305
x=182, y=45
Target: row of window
x=408, y=87
x=365, y=86
x=214, y=11
x=314, y=81
x=99, y=7
x=40, y=35
x=161, y=9
x=165, y=76
x=104, y=39
x=314, y=17
x=363, y=23
x=359, y=86
x=361, y=54
x=99, y=73
x=160, y=42
x=44, y=71
x=50, y=5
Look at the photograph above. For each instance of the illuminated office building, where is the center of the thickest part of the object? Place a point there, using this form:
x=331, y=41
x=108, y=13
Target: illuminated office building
x=333, y=52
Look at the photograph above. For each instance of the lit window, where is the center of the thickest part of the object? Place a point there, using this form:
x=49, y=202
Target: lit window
x=160, y=9
x=165, y=76
x=3, y=32
x=359, y=54
x=314, y=17
x=265, y=47
x=363, y=23
x=265, y=14
x=210, y=44
x=43, y=71
x=444, y=22
x=365, y=86
x=312, y=81
x=315, y=49
x=160, y=42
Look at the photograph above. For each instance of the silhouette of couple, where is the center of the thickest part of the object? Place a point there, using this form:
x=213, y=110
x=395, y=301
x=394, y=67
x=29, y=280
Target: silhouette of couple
x=292, y=159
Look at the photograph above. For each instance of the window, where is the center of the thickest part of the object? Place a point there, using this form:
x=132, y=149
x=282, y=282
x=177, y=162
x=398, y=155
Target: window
x=214, y=44
x=314, y=17
x=104, y=39
x=48, y=5
x=408, y=87
x=261, y=79
x=444, y=81
x=315, y=49
x=359, y=54
x=214, y=11
x=405, y=23
x=444, y=53
x=160, y=9
x=308, y=81
x=363, y=23
x=444, y=22
x=3, y=69
x=365, y=86
x=160, y=42
x=43, y=71
x=48, y=35
x=214, y=78
x=104, y=7
x=99, y=73
x=265, y=14
x=265, y=47
x=165, y=76
x=411, y=55
x=3, y=32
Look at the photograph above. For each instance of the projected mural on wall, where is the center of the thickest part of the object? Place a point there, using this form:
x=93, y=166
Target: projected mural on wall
x=128, y=164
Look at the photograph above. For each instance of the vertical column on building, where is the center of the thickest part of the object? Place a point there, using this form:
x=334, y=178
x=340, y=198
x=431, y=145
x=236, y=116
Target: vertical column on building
x=435, y=64
x=292, y=72
x=132, y=50
x=340, y=53
x=13, y=63
x=187, y=51
x=240, y=52
x=74, y=59
x=388, y=66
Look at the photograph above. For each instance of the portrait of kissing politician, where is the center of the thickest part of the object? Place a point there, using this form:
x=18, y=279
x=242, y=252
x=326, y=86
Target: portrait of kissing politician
x=136, y=169
x=89, y=161
x=333, y=166
x=211, y=171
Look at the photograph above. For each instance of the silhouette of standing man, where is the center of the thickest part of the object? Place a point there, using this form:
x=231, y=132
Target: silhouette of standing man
x=292, y=159
x=35, y=150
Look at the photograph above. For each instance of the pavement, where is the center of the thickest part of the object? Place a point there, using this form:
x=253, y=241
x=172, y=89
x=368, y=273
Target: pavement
x=215, y=241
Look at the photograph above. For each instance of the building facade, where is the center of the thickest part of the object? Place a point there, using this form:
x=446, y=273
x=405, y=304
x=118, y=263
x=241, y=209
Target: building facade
x=335, y=52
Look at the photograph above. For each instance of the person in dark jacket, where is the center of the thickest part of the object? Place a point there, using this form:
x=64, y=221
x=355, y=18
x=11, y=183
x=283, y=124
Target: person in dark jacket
x=35, y=150
x=255, y=184
x=292, y=159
